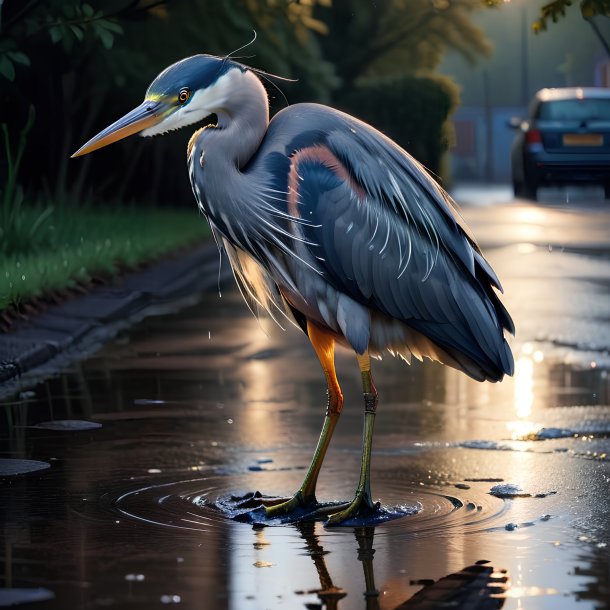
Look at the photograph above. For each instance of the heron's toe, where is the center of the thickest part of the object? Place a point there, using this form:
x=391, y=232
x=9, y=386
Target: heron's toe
x=361, y=507
x=297, y=504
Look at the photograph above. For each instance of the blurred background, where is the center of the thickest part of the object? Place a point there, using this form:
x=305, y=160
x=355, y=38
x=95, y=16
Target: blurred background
x=441, y=77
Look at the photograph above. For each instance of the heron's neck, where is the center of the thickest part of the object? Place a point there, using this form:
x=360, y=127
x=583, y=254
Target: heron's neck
x=242, y=121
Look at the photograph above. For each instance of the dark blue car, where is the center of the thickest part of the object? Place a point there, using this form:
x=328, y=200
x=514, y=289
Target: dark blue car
x=565, y=140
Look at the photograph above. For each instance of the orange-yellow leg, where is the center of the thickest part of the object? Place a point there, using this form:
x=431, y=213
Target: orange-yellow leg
x=324, y=346
x=363, y=501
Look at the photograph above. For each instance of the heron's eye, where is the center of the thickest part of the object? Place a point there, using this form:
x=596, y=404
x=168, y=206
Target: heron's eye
x=184, y=95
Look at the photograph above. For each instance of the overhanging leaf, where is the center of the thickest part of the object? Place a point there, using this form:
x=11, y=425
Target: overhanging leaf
x=19, y=58
x=7, y=69
x=77, y=31
x=55, y=33
x=106, y=37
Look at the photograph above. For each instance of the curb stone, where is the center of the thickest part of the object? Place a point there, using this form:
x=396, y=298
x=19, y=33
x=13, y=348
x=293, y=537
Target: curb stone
x=38, y=348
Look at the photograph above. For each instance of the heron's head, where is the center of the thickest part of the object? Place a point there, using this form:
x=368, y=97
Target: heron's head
x=185, y=93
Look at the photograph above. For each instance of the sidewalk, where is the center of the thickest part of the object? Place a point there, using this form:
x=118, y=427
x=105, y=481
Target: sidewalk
x=38, y=348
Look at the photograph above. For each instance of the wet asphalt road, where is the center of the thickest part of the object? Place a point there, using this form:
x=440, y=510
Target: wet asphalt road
x=208, y=402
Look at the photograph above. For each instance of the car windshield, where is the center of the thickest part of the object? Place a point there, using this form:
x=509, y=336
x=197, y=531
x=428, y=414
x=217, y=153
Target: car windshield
x=586, y=109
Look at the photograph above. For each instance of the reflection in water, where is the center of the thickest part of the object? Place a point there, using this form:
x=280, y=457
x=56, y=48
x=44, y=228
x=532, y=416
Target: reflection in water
x=328, y=593
x=165, y=396
x=476, y=587
x=364, y=537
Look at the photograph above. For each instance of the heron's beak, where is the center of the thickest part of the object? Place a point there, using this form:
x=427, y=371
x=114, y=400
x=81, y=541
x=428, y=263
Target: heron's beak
x=146, y=115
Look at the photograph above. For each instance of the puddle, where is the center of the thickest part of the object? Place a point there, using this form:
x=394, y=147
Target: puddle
x=141, y=510
x=126, y=474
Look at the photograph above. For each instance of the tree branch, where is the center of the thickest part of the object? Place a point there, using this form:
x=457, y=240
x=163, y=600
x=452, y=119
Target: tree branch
x=598, y=33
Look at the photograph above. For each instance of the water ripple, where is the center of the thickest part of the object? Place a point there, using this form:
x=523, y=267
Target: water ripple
x=206, y=503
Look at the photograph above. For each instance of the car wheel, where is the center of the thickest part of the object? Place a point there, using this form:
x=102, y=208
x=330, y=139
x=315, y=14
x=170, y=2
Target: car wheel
x=530, y=190
x=518, y=189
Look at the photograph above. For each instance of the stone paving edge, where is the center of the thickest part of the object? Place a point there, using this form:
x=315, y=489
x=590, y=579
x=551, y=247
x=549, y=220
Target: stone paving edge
x=39, y=348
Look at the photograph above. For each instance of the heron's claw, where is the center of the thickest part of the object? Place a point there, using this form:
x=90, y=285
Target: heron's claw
x=361, y=506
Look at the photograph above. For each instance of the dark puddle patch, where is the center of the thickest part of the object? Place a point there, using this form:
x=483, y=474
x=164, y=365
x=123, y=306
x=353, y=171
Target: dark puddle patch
x=67, y=425
x=486, y=445
x=590, y=429
x=548, y=434
x=265, y=464
x=511, y=527
x=16, y=597
x=12, y=467
x=510, y=490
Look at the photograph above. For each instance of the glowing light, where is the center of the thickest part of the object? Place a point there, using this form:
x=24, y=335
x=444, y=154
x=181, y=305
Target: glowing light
x=526, y=248
x=532, y=215
x=516, y=592
x=538, y=356
x=520, y=430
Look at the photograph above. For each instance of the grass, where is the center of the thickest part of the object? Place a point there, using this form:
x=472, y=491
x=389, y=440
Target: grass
x=52, y=250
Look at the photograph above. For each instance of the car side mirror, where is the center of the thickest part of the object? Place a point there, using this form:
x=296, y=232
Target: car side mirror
x=514, y=122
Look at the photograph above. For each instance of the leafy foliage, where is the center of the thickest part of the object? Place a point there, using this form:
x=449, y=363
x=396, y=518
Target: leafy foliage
x=65, y=23
x=371, y=39
x=557, y=9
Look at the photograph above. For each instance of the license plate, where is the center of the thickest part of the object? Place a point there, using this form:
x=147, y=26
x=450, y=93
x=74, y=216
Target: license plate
x=583, y=139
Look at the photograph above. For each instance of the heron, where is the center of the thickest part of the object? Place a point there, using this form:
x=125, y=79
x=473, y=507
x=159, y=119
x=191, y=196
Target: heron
x=328, y=223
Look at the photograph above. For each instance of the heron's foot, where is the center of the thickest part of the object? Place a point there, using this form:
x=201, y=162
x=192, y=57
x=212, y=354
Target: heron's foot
x=294, y=508
x=272, y=511
x=360, y=507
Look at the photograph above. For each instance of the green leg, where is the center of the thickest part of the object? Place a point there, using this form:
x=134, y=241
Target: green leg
x=363, y=501
x=305, y=496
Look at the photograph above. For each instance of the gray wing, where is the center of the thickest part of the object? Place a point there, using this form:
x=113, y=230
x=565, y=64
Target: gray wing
x=384, y=233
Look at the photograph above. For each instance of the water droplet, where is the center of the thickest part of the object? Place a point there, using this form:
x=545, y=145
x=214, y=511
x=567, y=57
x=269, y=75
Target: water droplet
x=229, y=421
x=135, y=577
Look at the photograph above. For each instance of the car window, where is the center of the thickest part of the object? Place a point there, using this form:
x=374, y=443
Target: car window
x=575, y=110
